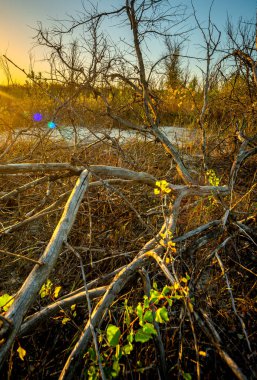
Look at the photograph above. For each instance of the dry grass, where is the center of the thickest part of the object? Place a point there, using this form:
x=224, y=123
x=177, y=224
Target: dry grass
x=108, y=234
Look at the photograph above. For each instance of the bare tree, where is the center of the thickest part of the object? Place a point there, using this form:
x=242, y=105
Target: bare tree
x=241, y=52
x=146, y=20
x=211, y=36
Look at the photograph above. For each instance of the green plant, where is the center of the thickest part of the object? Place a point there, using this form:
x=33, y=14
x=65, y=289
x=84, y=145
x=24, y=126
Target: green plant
x=212, y=178
x=139, y=327
x=6, y=301
x=48, y=290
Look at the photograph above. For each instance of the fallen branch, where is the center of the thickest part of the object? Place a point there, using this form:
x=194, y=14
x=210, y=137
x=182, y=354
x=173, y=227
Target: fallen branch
x=215, y=339
x=20, y=257
x=241, y=157
x=50, y=310
x=32, y=285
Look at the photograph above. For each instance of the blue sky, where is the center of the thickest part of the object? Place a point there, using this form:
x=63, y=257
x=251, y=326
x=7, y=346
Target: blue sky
x=18, y=17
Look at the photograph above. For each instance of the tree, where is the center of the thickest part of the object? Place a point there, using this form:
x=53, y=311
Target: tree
x=174, y=72
x=211, y=37
x=241, y=53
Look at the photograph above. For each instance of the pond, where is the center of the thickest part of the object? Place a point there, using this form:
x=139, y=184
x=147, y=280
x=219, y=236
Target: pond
x=176, y=135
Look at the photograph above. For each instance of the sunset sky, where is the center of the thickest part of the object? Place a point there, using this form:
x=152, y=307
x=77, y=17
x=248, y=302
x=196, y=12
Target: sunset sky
x=18, y=17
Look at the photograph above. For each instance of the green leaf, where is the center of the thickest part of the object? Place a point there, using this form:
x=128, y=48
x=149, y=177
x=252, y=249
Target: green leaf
x=139, y=365
x=142, y=336
x=113, y=335
x=92, y=373
x=148, y=316
x=127, y=349
x=115, y=368
x=46, y=289
x=130, y=336
x=5, y=301
x=169, y=300
x=187, y=376
x=167, y=289
x=146, y=302
x=162, y=315
x=177, y=297
x=92, y=353
x=139, y=311
x=127, y=318
x=149, y=329
x=155, y=285
x=128, y=311
x=154, y=296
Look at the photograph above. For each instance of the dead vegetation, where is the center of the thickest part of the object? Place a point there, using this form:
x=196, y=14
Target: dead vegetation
x=117, y=235
x=136, y=259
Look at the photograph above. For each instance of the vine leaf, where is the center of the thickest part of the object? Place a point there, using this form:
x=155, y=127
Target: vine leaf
x=5, y=301
x=113, y=335
x=162, y=315
x=142, y=336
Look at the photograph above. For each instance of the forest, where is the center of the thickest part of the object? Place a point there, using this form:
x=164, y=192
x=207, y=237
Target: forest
x=128, y=199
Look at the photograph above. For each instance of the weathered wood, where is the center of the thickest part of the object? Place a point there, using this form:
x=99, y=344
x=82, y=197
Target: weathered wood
x=197, y=230
x=32, y=285
x=170, y=148
x=123, y=174
x=103, y=170
x=38, y=167
x=34, y=320
x=94, y=169
x=241, y=157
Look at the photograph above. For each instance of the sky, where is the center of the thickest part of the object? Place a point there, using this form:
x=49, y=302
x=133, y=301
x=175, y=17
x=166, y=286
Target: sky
x=19, y=17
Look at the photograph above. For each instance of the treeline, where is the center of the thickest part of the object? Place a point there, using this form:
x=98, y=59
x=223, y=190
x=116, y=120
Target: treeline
x=180, y=104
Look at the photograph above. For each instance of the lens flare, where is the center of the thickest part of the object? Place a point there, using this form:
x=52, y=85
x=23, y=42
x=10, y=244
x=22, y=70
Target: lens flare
x=5, y=95
x=51, y=124
x=37, y=116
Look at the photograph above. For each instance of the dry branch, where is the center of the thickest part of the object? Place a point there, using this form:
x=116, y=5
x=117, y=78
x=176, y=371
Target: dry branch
x=38, y=168
x=197, y=230
x=241, y=157
x=94, y=169
x=214, y=337
x=34, y=320
x=32, y=285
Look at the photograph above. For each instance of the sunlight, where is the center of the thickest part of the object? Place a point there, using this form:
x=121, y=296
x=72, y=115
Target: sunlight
x=8, y=96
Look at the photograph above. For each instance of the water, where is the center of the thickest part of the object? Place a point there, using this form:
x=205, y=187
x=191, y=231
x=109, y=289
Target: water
x=81, y=135
x=176, y=135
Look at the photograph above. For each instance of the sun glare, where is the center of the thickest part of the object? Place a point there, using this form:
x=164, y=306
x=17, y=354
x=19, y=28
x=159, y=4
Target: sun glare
x=5, y=95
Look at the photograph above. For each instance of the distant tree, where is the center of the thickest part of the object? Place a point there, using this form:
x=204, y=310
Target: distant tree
x=173, y=69
x=193, y=83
